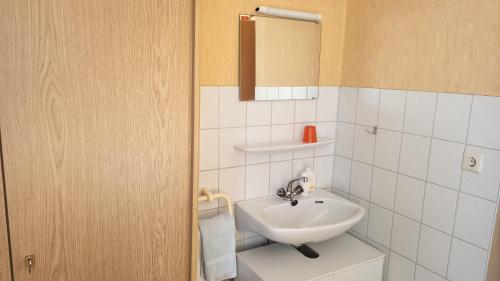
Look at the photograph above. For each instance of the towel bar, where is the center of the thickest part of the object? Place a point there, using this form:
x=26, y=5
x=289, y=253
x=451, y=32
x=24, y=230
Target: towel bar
x=206, y=195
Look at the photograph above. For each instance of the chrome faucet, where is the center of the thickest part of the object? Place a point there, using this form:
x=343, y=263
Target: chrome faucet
x=290, y=192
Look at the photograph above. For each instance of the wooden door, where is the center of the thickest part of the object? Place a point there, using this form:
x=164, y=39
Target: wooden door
x=5, y=273
x=96, y=120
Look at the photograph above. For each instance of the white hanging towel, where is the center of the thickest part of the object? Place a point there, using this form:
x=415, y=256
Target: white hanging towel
x=218, y=247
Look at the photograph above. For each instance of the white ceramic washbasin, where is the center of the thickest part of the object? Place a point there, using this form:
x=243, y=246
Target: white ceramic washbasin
x=316, y=218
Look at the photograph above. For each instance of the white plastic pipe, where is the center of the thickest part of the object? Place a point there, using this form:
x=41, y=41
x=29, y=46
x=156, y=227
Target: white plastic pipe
x=277, y=12
x=206, y=195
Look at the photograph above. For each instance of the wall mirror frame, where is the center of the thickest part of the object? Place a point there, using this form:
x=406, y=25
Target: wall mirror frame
x=279, y=58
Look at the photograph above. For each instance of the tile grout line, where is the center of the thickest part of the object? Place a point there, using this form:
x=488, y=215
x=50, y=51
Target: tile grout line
x=352, y=148
x=394, y=203
x=458, y=193
x=458, y=200
x=427, y=136
x=371, y=178
x=269, y=155
x=425, y=183
x=335, y=136
x=349, y=194
x=397, y=177
x=218, y=145
x=353, y=136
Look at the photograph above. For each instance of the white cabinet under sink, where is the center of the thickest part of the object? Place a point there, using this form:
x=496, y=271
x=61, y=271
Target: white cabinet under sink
x=343, y=258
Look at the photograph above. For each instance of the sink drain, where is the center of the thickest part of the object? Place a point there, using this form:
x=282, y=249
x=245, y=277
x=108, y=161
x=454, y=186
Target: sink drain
x=307, y=251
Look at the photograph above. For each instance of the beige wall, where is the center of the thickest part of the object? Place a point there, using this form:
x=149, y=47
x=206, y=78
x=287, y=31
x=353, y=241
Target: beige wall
x=444, y=46
x=219, y=37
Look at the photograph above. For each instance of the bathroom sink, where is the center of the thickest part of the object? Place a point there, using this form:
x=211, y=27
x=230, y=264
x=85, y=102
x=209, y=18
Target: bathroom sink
x=315, y=218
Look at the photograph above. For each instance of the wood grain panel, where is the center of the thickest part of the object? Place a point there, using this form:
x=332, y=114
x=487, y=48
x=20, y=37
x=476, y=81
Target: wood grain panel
x=287, y=52
x=444, y=46
x=96, y=116
x=219, y=26
x=196, y=145
x=247, y=61
x=493, y=273
x=5, y=273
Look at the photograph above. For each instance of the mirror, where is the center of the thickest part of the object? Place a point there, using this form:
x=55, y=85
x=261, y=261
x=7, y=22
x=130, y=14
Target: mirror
x=279, y=58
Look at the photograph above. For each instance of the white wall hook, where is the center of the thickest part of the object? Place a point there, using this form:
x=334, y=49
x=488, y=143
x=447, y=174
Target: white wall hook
x=373, y=131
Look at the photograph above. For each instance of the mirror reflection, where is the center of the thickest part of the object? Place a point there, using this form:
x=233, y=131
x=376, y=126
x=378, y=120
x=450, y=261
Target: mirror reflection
x=279, y=58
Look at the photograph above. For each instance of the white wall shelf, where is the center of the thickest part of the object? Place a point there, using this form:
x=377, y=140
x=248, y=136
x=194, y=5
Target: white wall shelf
x=280, y=146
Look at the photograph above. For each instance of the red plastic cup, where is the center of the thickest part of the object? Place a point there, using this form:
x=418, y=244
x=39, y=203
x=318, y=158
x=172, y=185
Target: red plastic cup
x=310, y=134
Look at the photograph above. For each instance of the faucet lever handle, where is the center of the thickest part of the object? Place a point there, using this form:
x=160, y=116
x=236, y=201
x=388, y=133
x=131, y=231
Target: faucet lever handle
x=298, y=190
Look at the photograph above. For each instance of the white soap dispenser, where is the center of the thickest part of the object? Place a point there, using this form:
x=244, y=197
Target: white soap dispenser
x=309, y=185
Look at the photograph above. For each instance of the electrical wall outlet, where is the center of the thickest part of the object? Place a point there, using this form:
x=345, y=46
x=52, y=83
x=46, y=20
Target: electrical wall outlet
x=472, y=161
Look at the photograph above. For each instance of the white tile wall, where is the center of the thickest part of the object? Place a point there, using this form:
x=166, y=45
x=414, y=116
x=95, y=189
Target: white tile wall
x=387, y=148
x=474, y=220
x=209, y=149
x=452, y=117
x=327, y=104
x=257, y=181
x=232, y=112
x=345, y=139
x=325, y=130
x=414, y=156
x=445, y=163
x=226, y=122
x=367, y=106
x=209, y=108
x=422, y=274
x=259, y=113
x=258, y=134
x=419, y=113
x=380, y=225
x=283, y=112
x=405, y=234
x=361, y=180
x=409, y=197
x=362, y=226
x=439, y=207
x=347, y=104
x=383, y=190
x=433, y=250
x=484, y=129
x=467, y=263
x=392, y=109
x=434, y=218
x=400, y=269
x=305, y=111
x=364, y=145
x=228, y=138
x=342, y=173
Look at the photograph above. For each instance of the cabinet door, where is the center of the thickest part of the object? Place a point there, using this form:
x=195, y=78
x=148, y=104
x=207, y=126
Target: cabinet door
x=95, y=111
x=371, y=271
